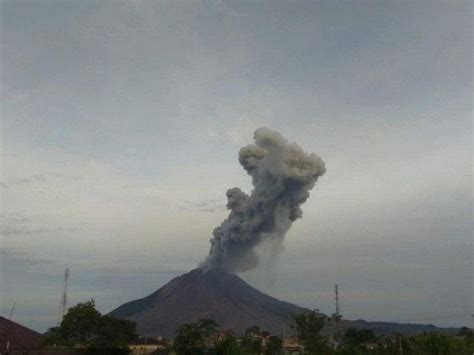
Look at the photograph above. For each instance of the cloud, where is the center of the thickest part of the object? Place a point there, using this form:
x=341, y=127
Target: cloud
x=23, y=180
x=13, y=224
x=38, y=178
x=124, y=151
x=208, y=205
x=14, y=218
x=9, y=231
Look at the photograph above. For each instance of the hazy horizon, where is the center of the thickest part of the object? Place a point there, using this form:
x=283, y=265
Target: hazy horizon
x=121, y=124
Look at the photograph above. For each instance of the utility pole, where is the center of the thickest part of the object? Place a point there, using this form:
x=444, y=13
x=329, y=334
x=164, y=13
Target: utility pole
x=400, y=347
x=336, y=292
x=64, y=298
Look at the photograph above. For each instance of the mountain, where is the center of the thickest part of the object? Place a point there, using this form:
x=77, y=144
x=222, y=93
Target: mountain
x=388, y=328
x=233, y=304
x=216, y=295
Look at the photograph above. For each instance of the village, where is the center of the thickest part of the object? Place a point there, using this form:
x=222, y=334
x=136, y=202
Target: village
x=79, y=333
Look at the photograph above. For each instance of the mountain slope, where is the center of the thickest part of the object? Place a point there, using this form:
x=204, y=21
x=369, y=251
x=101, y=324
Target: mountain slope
x=216, y=295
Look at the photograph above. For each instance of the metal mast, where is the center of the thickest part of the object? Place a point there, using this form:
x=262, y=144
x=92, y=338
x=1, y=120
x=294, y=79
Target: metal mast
x=11, y=311
x=64, y=299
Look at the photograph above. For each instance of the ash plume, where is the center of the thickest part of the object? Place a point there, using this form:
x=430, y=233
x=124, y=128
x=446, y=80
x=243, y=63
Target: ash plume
x=282, y=175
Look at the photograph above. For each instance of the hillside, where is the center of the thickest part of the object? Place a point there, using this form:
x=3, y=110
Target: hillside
x=233, y=304
x=216, y=295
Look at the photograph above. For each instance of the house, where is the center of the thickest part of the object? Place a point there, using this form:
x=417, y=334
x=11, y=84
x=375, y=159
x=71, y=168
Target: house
x=292, y=346
x=141, y=349
x=14, y=336
x=153, y=345
x=369, y=346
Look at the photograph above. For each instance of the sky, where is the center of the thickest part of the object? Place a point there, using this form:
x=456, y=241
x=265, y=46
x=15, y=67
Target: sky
x=121, y=124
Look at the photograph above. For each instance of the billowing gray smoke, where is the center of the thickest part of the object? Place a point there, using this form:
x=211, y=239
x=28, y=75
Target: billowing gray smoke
x=282, y=175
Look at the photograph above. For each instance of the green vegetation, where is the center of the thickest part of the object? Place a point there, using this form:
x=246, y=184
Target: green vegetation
x=354, y=337
x=83, y=326
x=308, y=327
x=202, y=337
x=274, y=345
x=439, y=344
x=194, y=338
x=359, y=342
x=251, y=343
x=364, y=341
x=229, y=346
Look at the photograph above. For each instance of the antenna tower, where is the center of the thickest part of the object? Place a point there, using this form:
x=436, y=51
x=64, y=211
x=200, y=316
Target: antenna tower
x=64, y=299
x=11, y=311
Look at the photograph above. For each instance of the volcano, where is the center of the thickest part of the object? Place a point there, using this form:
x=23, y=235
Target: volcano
x=217, y=295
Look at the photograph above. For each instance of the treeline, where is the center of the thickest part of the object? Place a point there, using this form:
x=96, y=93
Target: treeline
x=203, y=337
x=85, y=328
x=200, y=338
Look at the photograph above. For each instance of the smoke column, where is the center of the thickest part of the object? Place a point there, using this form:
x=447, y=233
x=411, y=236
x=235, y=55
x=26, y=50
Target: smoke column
x=282, y=175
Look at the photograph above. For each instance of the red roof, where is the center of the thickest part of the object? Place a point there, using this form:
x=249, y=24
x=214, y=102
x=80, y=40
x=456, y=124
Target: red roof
x=19, y=336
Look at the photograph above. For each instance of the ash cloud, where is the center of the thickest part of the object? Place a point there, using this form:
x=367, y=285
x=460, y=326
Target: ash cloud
x=282, y=176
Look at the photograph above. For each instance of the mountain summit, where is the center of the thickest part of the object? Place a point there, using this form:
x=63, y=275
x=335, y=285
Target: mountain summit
x=217, y=295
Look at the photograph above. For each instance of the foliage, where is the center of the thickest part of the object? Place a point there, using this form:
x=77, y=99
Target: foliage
x=424, y=344
x=194, y=338
x=251, y=342
x=252, y=331
x=438, y=344
x=274, y=345
x=229, y=346
x=251, y=346
x=84, y=326
x=54, y=337
x=81, y=324
x=355, y=337
x=308, y=326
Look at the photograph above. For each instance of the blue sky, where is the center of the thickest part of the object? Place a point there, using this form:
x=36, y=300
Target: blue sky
x=121, y=123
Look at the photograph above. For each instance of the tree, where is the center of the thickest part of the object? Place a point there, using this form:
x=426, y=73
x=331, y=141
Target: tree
x=229, y=346
x=113, y=332
x=274, y=345
x=438, y=344
x=354, y=337
x=186, y=340
x=194, y=338
x=308, y=327
x=84, y=326
x=53, y=337
x=81, y=324
x=468, y=335
x=206, y=327
x=254, y=330
x=252, y=342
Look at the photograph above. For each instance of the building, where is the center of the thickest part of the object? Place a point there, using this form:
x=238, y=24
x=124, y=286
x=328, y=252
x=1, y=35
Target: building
x=292, y=346
x=152, y=345
x=14, y=336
